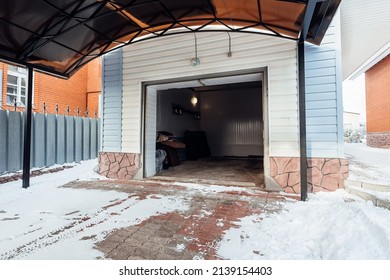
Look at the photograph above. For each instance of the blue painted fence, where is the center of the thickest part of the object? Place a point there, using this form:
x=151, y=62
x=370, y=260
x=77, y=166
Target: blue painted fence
x=56, y=139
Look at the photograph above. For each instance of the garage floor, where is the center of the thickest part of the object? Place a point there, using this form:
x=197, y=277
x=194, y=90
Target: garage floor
x=245, y=172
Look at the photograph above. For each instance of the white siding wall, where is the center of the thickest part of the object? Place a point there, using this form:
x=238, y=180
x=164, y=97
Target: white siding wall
x=169, y=57
x=323, y=95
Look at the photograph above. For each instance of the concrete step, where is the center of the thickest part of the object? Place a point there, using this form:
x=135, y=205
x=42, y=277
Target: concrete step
x=370, y=192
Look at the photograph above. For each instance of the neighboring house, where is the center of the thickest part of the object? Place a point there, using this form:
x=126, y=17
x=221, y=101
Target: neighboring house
x=262, y=70
x=80, y=92
x=365, y=29
x=378, y=104
x=377, y=75
x=351, y=120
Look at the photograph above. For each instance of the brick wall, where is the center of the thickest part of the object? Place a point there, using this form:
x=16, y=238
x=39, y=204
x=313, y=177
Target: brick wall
x=81, y=90
x=378, y=97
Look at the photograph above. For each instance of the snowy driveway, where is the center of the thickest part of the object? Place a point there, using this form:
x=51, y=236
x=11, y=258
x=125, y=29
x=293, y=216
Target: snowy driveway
x=95, y=218
x=92, y=218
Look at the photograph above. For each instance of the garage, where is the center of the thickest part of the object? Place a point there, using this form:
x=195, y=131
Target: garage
x=218, y=121
x=151, y=43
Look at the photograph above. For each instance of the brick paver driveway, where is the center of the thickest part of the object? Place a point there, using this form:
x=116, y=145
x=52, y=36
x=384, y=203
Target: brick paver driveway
x=190, y=234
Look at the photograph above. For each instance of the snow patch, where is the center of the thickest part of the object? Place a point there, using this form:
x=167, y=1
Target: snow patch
x=328, y=226
x=210, y=188
x=368, y=164
x=180, y=247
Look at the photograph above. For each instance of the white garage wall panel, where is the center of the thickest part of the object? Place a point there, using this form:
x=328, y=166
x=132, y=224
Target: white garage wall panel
x=169, y=57
x=150, y=132
x=324, y=96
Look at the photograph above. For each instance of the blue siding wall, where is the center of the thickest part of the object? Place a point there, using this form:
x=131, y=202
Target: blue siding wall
x=112, y=101
x=324, y=96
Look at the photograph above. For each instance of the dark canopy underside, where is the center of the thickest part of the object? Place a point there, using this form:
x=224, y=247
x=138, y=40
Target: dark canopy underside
x=60, y=36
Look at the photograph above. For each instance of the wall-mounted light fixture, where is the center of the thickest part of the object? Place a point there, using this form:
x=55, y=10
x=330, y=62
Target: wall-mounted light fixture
x=195, y=61
x=229, y=54
x=194, y=100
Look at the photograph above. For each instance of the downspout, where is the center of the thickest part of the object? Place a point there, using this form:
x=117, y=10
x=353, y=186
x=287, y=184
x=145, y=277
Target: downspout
x=27, y=130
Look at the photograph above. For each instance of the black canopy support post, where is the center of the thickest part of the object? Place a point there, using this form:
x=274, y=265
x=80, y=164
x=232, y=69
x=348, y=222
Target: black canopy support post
x=310, y=8
x=302, y=118
x=27, y=130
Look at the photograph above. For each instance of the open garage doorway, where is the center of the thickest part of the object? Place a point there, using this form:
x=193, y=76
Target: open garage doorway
x=206, y=130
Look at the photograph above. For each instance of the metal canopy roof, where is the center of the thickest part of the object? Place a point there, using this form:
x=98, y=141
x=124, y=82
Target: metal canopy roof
x=60, y=36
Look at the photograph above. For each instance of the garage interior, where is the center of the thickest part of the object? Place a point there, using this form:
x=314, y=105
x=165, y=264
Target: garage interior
x=220, y=122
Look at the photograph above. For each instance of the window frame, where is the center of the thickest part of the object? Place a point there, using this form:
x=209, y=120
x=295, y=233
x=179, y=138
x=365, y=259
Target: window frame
x=20, y=74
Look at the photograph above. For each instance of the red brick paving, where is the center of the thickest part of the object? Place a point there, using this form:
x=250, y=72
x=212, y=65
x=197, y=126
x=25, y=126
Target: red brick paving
x=193, y=233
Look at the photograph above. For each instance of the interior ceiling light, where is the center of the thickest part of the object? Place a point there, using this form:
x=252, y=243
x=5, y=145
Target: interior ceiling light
x=195, y=61
x=194, y=100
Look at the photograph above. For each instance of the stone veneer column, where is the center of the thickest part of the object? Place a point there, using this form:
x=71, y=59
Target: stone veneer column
x=378, y=139
x=323, y=174
x=119, y=165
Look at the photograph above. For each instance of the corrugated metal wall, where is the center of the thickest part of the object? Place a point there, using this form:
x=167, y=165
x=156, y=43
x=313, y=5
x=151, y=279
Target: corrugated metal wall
x=169, y=58
x=55, y=139
x=232, y=120
x=324, y=95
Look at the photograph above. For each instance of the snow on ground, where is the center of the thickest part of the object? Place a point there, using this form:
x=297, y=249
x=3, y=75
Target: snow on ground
x=47, y=221
x=210, y=188
x=328, y=226
x=377, y=194
x=69, y=220
x=368, y=164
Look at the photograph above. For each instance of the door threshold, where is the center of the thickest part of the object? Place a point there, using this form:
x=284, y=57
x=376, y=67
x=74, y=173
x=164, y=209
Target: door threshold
x=207, y=182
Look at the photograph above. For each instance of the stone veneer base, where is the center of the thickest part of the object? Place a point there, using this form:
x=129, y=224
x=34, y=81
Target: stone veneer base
x=323, y=174
x=122, y=166
x=378, y=139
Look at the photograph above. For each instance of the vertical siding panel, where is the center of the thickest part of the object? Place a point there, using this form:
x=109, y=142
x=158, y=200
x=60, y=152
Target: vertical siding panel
x=93, y=134
x=39, y=145
x=69, y=138
x=14, y=147
x=86, y=138
x=324, y=96
x=112, y=101
x=50, y=140
x=60, y=139
x=78, y=139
